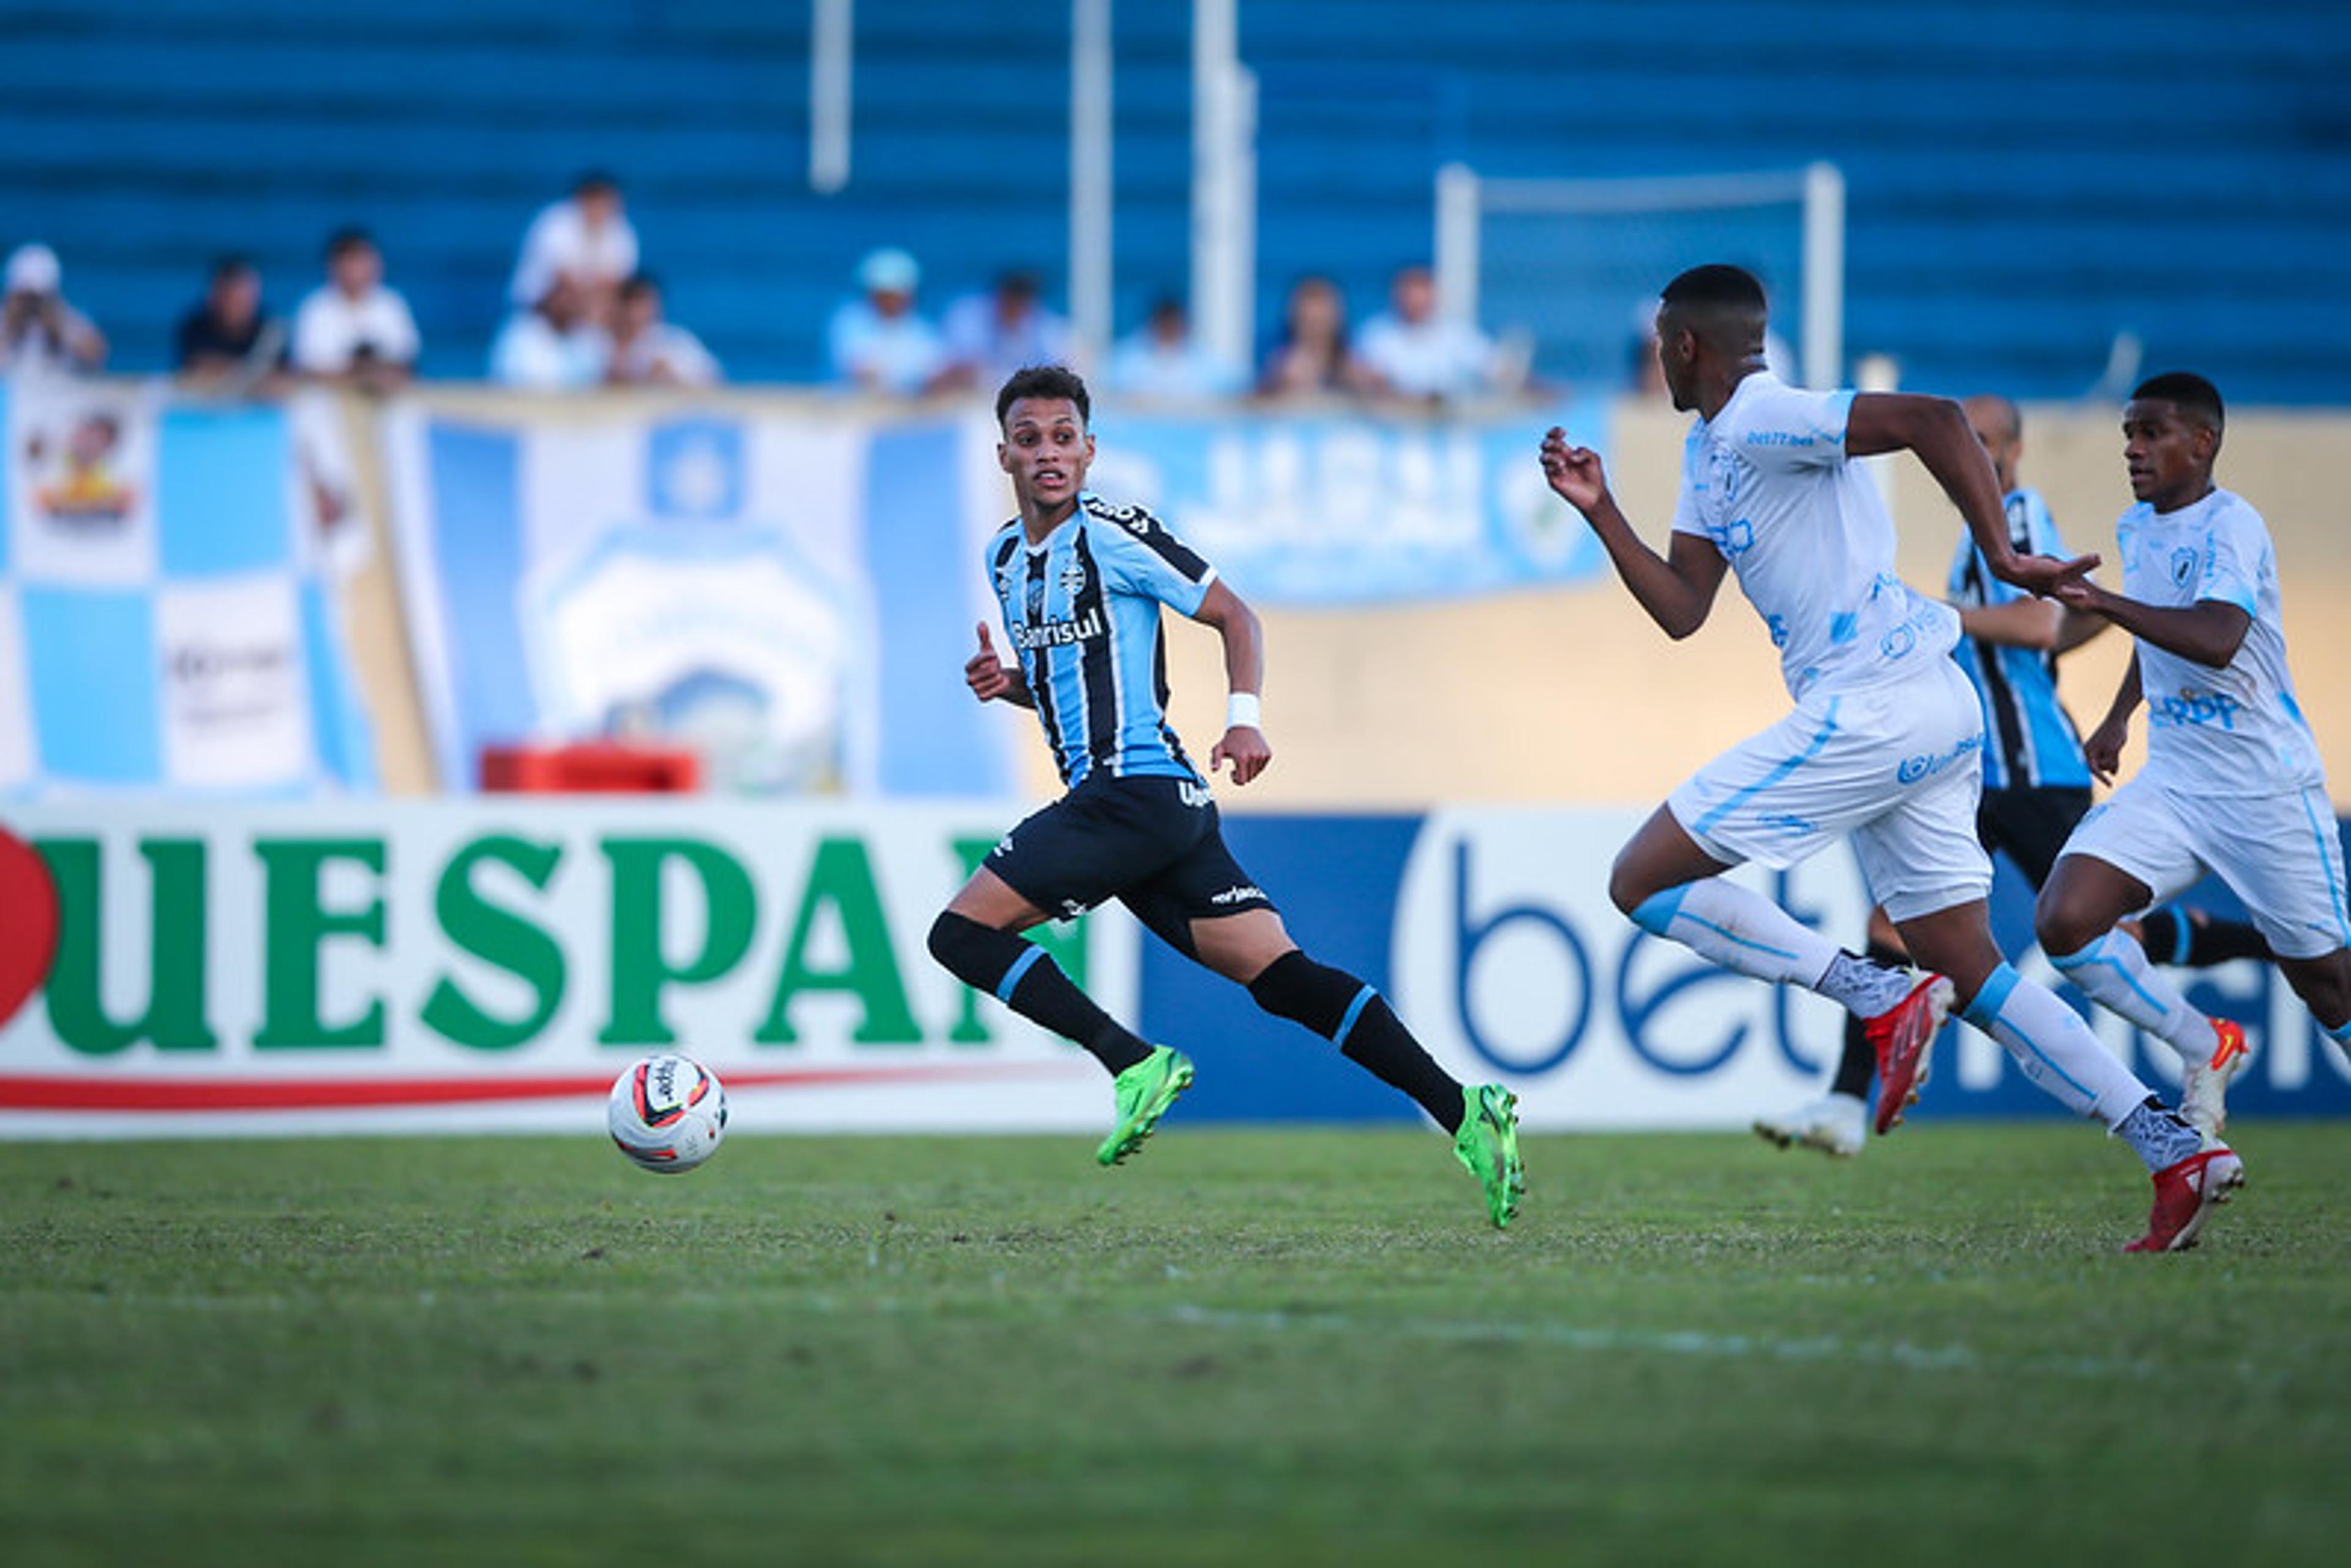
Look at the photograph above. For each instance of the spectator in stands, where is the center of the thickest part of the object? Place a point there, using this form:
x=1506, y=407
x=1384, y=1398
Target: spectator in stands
x=881, y=343
x=553, y=347
x=353, y=328
x=991, y=335
x=39, y=333
x=1163, y=363
x=586, y=238
x=1422, y=356
x=226, y=340
x=1314, y=357
x=648, y=350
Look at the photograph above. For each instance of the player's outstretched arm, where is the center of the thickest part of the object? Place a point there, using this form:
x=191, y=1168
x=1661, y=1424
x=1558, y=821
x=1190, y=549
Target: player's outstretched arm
x=2103, y=748
x=2210, y=631
x=2079, y=627
x=2019, y=624
x=1243, y=743
x=992, y=680
x=1676, y=589
x=1936, y=431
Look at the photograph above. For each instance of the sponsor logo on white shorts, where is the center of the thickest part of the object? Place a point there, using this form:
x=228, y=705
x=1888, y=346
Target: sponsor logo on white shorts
x=1914, y=768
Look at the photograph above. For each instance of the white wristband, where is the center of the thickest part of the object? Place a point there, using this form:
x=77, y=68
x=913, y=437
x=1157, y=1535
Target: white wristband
x=1242, y=711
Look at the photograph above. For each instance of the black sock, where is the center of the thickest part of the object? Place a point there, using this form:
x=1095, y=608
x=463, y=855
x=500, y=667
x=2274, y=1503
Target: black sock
x=2172, y=935
x=1858, y=1064
x=1341, y=1008
x=1024, y=977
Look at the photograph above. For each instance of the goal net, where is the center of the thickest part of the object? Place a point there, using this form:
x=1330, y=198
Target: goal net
x=1570, y=269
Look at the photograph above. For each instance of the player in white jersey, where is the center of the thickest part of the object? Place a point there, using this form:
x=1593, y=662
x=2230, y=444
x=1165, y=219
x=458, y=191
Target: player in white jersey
x=2232, y=782
x=2036, y=785
x=1885, y=741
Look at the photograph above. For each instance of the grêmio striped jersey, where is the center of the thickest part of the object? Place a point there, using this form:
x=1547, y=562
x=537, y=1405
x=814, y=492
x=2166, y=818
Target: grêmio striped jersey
x=2029, y=741
x=1081, y=610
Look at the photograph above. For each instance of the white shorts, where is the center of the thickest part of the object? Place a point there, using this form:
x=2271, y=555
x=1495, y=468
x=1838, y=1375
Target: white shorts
x=2280, y=853
x=1897, y=766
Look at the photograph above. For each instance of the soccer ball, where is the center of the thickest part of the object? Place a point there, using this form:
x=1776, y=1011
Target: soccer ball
x=667, y=1114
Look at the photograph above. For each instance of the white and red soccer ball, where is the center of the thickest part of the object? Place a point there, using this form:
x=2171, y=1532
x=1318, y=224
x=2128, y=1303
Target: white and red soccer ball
x=667, y=1114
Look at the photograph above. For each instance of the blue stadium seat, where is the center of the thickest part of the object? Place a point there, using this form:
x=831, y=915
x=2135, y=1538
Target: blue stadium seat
x=2022, y=186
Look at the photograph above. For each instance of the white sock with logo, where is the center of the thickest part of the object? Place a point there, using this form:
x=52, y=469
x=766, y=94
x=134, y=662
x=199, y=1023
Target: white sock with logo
x=2113, y=972
x=1739, y=929
x=2055, y=1047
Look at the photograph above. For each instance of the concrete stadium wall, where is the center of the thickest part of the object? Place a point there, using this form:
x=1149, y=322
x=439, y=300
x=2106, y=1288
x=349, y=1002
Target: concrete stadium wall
x=1572, y=695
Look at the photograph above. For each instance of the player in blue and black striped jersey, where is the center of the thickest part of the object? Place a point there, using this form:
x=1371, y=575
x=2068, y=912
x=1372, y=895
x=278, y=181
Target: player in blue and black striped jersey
x=2036, y=779
x=1081, y=584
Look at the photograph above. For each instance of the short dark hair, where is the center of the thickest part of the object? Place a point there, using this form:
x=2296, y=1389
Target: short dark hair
x=1045, y=381
x=595, y=179
x=640, y=283
x=1723, y=305
x=232, y=264
x=1715, y=287
x=343, y=241
x=2190, y=393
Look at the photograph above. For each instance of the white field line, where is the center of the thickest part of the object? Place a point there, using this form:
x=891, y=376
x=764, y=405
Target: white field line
x=1660, y=1342
x=1826, y=1349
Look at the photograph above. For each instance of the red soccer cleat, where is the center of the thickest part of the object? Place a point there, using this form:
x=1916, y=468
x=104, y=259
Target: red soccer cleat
x=1902, y=1035
x=2184, y=1193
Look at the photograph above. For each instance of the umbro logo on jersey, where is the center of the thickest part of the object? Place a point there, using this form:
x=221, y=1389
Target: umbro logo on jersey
x=2183, y=566
x=1237, y=895
x=1133, y=519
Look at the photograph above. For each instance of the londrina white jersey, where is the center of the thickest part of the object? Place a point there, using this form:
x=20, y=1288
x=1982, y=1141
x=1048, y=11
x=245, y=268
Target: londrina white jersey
x=2232, y=731
x=1082, y=612
x=1766, y=479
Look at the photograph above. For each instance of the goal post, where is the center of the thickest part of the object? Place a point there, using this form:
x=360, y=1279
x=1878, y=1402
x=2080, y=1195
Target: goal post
x=1573, y=261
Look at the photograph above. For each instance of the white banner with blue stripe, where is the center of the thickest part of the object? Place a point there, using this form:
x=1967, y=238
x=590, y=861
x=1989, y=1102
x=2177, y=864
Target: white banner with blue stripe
x=787, y=592
x=165, y=617
x=1347, y=509
x=789, y=588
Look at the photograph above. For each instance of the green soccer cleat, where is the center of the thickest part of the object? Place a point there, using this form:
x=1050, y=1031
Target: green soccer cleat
x=1144, y=1092
x=1488, y=1143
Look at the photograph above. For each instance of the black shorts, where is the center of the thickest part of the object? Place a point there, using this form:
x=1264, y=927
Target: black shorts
x=2032, y=825
x=1153, y=845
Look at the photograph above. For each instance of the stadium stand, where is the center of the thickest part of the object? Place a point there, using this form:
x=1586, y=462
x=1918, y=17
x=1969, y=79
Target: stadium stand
x=2019, y=191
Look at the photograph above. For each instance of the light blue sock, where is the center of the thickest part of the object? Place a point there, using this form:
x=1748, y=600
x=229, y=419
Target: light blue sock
x=1739, y=929
x=2113, y=971
x=2055, y=1048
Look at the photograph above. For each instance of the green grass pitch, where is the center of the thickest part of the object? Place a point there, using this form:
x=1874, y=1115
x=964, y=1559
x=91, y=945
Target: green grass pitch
x=1244, y=1347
